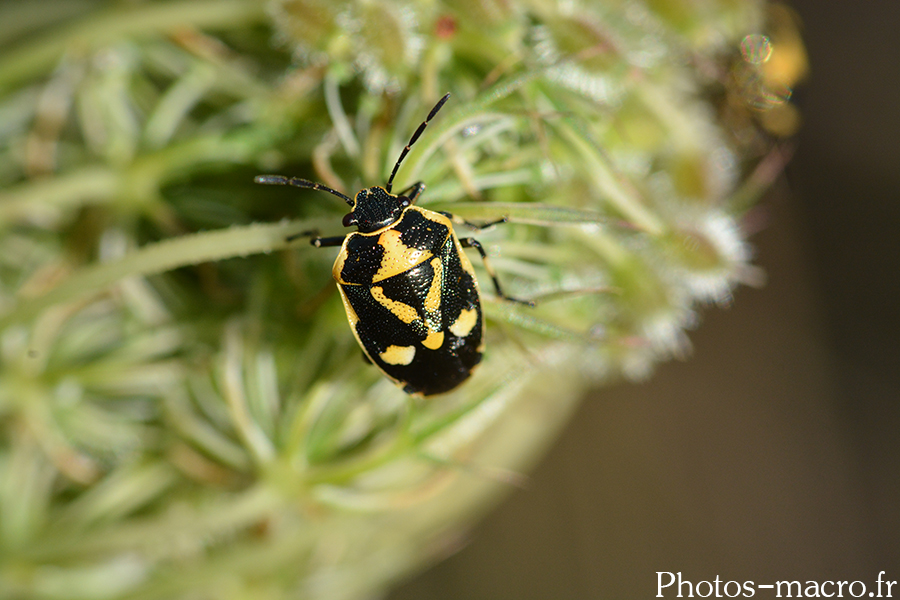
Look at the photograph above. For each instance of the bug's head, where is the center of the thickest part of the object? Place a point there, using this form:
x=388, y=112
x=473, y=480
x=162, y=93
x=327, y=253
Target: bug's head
x=374, y=208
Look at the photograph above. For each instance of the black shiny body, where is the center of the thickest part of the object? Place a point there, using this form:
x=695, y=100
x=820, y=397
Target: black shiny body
x=422, y=325
x=408, y=288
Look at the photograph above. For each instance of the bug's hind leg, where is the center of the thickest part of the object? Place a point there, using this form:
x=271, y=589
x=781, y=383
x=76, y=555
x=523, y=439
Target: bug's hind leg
x=473, y=243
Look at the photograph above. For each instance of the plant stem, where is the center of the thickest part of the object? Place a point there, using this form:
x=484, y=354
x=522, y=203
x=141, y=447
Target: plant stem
x=126, y=21
x=159, y=257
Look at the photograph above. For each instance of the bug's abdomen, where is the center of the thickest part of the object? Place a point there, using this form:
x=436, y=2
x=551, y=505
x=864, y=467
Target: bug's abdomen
x=422, y=327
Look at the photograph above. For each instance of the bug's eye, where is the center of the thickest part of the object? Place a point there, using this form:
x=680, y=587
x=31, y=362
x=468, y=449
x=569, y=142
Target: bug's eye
x=349, y=220
x=404, y=202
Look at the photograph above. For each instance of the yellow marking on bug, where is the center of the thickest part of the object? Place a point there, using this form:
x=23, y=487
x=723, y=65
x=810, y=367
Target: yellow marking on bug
x=434, y=340
x=354, y=319
x=351, y=314
x=398, y=257
x=464, y=260
x=398, y=355
x=464, y=323
x=435, y=217
x=433, y=299
x=338, y=267
x=404, y=312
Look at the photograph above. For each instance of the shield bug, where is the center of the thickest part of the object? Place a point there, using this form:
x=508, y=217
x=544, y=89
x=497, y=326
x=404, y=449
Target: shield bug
x=408, y=288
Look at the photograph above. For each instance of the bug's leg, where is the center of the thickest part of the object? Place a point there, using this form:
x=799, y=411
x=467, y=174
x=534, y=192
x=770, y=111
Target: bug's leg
x=470, y=225
x=473, y=243
x=320, y=242
x=316, y=240
x=415, y=189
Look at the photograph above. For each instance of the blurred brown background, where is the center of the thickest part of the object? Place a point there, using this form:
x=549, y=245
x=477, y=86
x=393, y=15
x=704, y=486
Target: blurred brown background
x=773, y=452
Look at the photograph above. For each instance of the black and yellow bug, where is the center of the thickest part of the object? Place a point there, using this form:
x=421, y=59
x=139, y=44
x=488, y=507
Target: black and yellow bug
x=408, y=288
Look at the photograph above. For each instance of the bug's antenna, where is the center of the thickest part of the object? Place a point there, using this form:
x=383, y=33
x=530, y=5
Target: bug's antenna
x=413, y=139
x=302, y=183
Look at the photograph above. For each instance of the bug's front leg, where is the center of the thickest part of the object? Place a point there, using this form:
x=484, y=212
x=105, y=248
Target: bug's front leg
x=473, y=243
x=316, y=240
x=413, y=191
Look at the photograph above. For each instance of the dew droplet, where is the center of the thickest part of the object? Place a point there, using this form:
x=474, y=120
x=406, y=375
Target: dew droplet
x=756, y=48
x=471, y=130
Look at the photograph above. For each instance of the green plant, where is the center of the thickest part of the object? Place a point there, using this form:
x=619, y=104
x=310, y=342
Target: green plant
x=183, y=411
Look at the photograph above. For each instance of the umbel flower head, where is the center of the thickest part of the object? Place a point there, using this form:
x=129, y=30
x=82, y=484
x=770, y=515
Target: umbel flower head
x=183, y=409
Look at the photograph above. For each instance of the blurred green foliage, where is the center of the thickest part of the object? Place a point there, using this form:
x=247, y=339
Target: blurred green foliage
x=183, y=411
